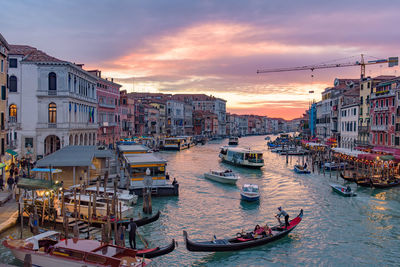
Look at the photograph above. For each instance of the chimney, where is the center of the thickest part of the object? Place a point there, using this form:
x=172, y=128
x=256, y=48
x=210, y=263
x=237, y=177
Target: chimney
x=80, y=65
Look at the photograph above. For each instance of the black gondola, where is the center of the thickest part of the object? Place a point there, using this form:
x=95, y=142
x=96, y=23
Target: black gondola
x=241, y=242
x=156, y=252
x=386, y=184
x=125, y=221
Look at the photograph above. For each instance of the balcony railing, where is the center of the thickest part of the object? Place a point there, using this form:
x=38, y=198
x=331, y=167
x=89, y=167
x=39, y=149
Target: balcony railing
x=379, y=128
x=381, y=109
x=363, y=129
x=105, y=105
x=52, y=125
x=52, y=92
x=362, y=142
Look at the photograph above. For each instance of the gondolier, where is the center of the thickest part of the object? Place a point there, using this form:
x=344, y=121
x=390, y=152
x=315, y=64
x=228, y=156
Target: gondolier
x=284, y=214
x=132, y=233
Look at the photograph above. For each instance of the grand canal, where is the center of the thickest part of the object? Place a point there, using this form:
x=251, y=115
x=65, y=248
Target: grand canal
x=335, y=230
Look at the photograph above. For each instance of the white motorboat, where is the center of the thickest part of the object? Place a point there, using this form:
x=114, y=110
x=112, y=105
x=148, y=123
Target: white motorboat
x=123, y=195
x=225, y=177
x=250, y=192
x=233, y=141
x=101, y=205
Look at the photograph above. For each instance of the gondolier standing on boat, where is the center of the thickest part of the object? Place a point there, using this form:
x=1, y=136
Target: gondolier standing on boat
x=132, y=233
x=284, y=214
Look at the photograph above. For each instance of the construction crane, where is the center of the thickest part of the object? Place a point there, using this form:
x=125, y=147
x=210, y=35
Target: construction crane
x=392, y=61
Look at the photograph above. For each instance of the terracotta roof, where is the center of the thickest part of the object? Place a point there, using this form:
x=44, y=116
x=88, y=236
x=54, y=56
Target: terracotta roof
x=31, y=54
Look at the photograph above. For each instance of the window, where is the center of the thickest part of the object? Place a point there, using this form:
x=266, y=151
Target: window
x=392, y=139
x=3, y=92
x=28, y=142
x=12, y=111
x=381, y=120
x=386, y=139
x=393, y=102
x=2, y=66
x=387, y=120
x=381, y=138
x=13, y=63
x=12, y=86
x=52, y=113
x=376, y=138
x=392, y=119
x=387, y=102
x=369, y=85
x=52, y=81
x=397, y=141
x=381, y=103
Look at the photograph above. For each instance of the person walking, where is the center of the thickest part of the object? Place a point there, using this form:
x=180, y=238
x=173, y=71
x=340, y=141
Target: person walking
x=10, y=183
x=132, y=233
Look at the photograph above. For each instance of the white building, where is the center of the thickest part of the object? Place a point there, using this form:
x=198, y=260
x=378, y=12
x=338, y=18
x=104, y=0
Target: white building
x=349, y=125
x=53, y=103
x=175, y=117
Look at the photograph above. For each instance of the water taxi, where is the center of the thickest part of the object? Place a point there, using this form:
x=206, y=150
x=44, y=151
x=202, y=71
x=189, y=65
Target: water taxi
x=225, y=177
x=250, y=192
x=244, y=157
x=233, y=141
x=178, y=143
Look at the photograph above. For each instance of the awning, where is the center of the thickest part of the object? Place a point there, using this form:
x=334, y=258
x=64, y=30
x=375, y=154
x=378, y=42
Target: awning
x=383, y=149
x=11, y=152
x=35, y=184
x=46, y=170
x=2, y=165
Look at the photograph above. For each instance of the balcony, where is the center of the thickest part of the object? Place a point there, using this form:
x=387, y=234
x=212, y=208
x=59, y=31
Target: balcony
x=14, y=125
x=379, y=128
x=363, y=129
x=52, y=92
x=105, y=105
x=362, y=143
x=381, y=109
x=52, y=125
x=107, y=124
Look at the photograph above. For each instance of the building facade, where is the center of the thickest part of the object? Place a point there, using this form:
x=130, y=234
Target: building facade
x=54, y=102
x=4, y=48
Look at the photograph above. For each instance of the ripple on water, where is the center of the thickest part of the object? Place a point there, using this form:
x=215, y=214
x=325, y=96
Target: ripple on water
x=335, y=231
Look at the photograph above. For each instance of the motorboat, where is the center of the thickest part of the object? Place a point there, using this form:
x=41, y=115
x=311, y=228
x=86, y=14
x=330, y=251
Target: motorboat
x=123, y=195
x=233, y=141
x=343, y=190
x=47, y=250
x=333, y=166
x=244, y=157
x=301, y=169
x=225, y=177
x=250, y=192
x=82, y=204
x=242, y=240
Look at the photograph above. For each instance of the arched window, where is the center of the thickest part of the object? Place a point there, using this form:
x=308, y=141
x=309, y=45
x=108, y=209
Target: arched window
x=52, y=81
x=12, y=112
x=52, y=113
x=12, y=84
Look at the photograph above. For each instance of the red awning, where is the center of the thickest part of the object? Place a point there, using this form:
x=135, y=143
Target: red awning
x=388, y=150
x=368, y=156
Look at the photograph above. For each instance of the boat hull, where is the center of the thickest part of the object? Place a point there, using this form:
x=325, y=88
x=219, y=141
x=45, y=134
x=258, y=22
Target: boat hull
x=249, y=198
x=220, y=179
x=231, y=245
x=299, y=170
x=244, y=164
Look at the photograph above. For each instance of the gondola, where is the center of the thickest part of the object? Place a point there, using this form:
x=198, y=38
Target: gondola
x=386, y=185
x=365, y=182
x=241, y=241
x=300, y=169
x=156, y=252
x=348, y=178
x=125, y=221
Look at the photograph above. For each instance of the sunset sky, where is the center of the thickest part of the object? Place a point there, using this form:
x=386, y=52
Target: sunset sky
x=213, y=47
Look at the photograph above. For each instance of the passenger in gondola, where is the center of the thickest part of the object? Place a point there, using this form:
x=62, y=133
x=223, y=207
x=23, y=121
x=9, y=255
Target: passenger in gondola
x=305, y=166
x=267, y=230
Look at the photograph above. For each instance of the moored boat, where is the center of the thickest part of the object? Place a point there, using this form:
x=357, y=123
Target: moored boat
x=386, y=183
x=250, y=192
x=124, y=221
x=242, y=241
x=365, y=182
x=301, y=169
x=343, y=190
x=244, y=157
x=233, y=141
x=226, y=177
x=46, y=249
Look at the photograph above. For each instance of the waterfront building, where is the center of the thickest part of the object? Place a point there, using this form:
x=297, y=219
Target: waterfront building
x=323, y=112
x=126, y=111
x=349, y=114
x=160, y=105
x=139, y=118
x=175, y=117
x=383, y=113
x=108, y=111
x=55, y=102
x=366, y=89
x=205, y=123
x=4, y=48
x=151, y=120
x=312, y=119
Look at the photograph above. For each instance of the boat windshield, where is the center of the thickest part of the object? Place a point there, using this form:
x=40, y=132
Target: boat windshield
x=250, y=188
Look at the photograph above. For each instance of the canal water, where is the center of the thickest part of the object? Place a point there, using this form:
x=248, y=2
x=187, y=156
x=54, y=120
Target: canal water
x=335, y=231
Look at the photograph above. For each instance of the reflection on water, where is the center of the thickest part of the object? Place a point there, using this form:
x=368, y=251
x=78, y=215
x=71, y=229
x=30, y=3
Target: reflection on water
x=335, y=230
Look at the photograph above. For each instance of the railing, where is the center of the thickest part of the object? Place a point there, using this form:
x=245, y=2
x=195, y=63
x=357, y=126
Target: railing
x=105, y=105
x=363, y=129
x=379, y=128
x=52, y=92
x=256, y=160
x=16, y=125
x=52, y=125
x=362, y=142
x=381, y=109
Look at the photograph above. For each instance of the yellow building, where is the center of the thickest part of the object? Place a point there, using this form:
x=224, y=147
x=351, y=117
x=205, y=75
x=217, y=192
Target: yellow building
x=4, y=47
x=367, y=86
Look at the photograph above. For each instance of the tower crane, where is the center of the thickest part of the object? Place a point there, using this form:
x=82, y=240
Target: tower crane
x=392, y=61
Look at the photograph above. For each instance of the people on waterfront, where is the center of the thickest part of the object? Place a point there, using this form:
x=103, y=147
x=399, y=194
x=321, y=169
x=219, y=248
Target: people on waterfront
x=174, y=182
x=10, y=183
x=285, y=215
x=132, y=233
x=167, y=176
